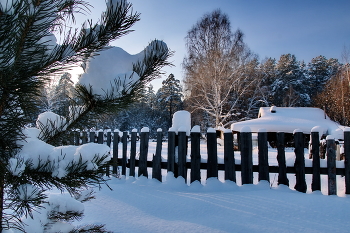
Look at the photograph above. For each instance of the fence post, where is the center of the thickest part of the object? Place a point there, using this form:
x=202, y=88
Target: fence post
x=109, y=136
x=182, y=153
x=144, y=140
x=246, y=155
x=195, y=154
x=281, y=158
x=347, y=159
x=115, y=151
x=132, y=153
x=92, y=136
x=77, y=138
x=157, y=171
x=315, y=153
x=229, y=156
x=300, y=184
x=332, y=182
x=263, y=156
x=171, y=150
x=100, y=137
x=212, y=163
x=84, y=137
x=125, y=149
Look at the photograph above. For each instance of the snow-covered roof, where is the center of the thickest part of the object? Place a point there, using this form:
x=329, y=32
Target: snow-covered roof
x=288, y=119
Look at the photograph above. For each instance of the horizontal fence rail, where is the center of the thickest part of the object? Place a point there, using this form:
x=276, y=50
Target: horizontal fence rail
x=178, y=144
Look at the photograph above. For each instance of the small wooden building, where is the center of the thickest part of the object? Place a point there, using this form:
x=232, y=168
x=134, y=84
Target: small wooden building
x=287, y=119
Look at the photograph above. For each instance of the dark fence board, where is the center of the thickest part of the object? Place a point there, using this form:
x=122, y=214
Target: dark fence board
x=92, y=136
x=171, y=151
x=263, y=157
x=246, y=157
x=76, y=138
x=347, y=161
x=84, y=137
x=332, y=182
x=212, y=164
x=115, y=152
x=182, y=153
x=100, y=137
x=124, y=152
x=281, y=159
x=300, y=182
x=229, y=157
x=109, y=138
x=195, y=157
x=144, y=140
x=156, y=167
x=132, y=153
x=315, y=154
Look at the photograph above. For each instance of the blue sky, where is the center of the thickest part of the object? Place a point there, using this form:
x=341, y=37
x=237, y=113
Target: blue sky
x=305, y=28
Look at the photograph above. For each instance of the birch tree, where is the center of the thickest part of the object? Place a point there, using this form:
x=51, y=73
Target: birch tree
x=215, y=79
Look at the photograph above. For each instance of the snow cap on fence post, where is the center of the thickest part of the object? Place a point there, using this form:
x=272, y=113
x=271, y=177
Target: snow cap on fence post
x=134, y=130
x=273, y=109
x=196, y=129
x=347, y=129
x=145, y=130
x=338, y=134
x=159, y=130
x=182, y=119
x=318, y=129
x=227, y=131
x=246, y=129
x=211, y=130
x=262, y=130
x=297, y=131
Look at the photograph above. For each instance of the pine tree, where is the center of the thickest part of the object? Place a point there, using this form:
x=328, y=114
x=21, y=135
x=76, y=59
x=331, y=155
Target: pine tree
x=63, y=94
x=28, y=55
x=320, y=70
x=169, y=97
x=288, y=89
x=45, y=100
x=148, y=97
x=267, y=75
x=143, y=113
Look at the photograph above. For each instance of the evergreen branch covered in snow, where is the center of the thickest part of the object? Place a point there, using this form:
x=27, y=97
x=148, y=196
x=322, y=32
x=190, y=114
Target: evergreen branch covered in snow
x=29, y=54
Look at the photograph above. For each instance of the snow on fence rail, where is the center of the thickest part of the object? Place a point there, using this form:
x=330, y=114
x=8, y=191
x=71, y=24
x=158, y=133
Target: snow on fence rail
x=177, y=153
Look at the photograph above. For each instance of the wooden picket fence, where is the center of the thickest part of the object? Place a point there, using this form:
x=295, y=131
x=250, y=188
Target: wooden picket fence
x=178, y=143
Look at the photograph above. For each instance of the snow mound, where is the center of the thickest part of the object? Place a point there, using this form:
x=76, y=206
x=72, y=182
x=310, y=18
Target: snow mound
x=112, y=71
x=181, y=120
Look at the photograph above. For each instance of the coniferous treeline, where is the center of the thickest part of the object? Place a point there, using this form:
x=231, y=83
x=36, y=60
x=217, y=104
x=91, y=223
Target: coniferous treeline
x=154, y=109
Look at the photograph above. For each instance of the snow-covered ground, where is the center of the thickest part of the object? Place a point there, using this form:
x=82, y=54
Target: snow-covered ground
x=147, y=205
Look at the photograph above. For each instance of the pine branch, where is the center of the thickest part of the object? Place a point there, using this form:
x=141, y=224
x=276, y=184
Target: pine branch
x=90, y=229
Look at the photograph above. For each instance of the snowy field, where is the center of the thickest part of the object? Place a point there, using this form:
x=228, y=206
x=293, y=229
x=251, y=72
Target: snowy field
x=146, y=205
